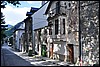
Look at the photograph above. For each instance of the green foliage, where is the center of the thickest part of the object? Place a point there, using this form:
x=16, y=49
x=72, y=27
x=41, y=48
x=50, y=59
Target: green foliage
x=2, y=18
x=3, y=3
x=15, y=3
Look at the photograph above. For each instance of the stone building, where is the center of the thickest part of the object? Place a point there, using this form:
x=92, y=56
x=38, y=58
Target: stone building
x=89, y=19
x=63, y=29
x=67, y=40
x=28, y=29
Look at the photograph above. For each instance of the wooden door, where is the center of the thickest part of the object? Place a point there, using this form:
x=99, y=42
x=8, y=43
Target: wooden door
x=51, y=50
x=71, y=53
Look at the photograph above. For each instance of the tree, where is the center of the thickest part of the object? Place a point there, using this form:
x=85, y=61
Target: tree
x=3, y=27
x=15, y=3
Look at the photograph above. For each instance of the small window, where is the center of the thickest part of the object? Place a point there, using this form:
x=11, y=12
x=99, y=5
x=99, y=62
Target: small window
x=56, y=26
x=50, y=31
x=45, y=31
x=45, y=40
x=63, y=26
x=64, y=3
x=65, y=6
x=50, y=28
x=69, y=4
x=39, y=34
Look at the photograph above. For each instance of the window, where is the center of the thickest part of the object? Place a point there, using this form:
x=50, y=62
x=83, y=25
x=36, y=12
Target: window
x=45, y=31
x=65, y=6
x=69, y=4
x=65, y=3
x=63, y=26
x=58, y=7
x=56, y=27
x=45, y=40
x=50, y=30
x=39, y=33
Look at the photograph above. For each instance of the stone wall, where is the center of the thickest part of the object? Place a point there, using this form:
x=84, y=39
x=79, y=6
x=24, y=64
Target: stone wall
x=89, y=16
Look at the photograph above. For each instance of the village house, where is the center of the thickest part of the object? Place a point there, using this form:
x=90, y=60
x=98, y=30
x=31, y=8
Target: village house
x=53, y=31
x=19, y=30
x=28, y=41
x=22, y=42
x=39, y=25
x=63, y=29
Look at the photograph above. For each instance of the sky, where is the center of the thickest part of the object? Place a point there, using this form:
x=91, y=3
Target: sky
x=14, y=15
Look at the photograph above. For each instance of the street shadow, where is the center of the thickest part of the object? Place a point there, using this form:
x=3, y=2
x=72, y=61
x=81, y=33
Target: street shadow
x=11, y=59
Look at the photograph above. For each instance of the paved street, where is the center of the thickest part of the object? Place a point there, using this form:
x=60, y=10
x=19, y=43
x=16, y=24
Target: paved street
x=9, y=57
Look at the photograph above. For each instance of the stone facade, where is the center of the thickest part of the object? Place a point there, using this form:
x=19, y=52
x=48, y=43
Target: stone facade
x=64, y=30
x=89, y=22
x=89, y=13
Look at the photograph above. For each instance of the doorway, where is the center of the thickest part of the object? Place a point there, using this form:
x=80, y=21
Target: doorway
x=71, y=53
x=51, y=50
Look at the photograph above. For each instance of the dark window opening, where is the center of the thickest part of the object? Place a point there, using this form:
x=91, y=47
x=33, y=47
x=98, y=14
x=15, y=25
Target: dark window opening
x=29, y=39
x=45, y=31
x=45, y=40
x=65, y=6
x=69, y=4
x=64, y=3
x=56, y=27
x=50, y=30
x=39, y=35
x=63, y=26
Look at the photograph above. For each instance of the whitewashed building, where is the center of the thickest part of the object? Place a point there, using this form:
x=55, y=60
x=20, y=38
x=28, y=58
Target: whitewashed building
x=19, y=30
x=39, y=23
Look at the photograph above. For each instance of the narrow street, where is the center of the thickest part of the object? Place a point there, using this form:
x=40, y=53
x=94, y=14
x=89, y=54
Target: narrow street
x=50, y=33
x=8, y=58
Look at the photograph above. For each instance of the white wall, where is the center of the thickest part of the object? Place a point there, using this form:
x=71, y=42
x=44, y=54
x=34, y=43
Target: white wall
x=60, y=48
x=22, y=26
x=18, y=36
x=39, y=19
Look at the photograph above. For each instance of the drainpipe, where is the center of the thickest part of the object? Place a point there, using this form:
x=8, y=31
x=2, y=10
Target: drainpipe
x=80, y=45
